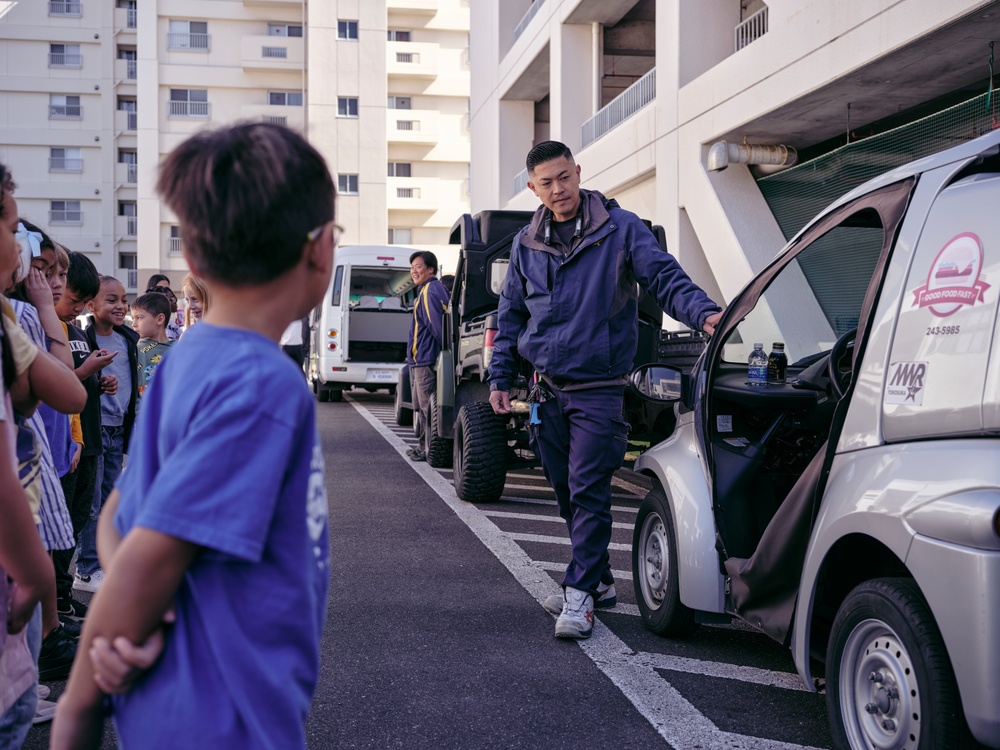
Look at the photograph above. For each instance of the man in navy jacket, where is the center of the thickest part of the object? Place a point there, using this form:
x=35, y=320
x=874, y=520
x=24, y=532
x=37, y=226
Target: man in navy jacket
x=424, y=340
x=569, y=306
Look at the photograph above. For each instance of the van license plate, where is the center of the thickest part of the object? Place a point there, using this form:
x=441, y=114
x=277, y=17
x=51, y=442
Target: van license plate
x=382, y=376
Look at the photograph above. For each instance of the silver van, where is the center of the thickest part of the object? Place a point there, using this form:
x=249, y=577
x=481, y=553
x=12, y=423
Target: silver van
x=852, y=512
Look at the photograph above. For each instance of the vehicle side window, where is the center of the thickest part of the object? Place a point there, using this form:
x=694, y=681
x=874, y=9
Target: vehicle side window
x=817, y=297
x=338, y=285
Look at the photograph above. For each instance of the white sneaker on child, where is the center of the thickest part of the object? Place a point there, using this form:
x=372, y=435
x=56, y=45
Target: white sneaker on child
x=607, y=597
x=89, y=583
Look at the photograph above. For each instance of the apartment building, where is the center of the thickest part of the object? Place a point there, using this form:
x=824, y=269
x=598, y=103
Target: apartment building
x=641, y=90
x=93, y=94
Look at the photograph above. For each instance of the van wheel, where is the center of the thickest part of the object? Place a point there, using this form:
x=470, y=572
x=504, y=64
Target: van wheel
x=889, y=679
x=335, y=394
x=323, y=394
x=654, y=569
x=437, y=448
x=480, y=454
x=404, y=416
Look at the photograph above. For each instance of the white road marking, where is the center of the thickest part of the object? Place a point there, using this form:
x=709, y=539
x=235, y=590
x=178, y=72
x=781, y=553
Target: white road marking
x=560, y=540
x=674, y=718
x=543, y=501
x=766, y=677
x=536, y=517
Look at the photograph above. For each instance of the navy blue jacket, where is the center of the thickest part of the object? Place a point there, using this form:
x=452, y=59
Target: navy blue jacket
x=575, y=316
x=423, y=343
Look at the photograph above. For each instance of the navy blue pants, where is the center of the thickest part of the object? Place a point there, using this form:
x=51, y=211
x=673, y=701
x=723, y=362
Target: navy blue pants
x=581, y=442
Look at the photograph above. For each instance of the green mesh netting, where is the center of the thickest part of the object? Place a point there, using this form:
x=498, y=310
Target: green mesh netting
x=797, y=194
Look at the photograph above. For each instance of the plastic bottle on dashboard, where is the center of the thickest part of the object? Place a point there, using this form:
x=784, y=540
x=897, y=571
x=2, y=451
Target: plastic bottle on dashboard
x=757, y=366
x=777, y=364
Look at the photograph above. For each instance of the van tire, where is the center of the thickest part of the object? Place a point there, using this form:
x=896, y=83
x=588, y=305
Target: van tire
x=404, y=416
x=480, y=454
x=885, y=627
x=335, y=394
x=654, y=569
x=437, y=448
x=322, y=394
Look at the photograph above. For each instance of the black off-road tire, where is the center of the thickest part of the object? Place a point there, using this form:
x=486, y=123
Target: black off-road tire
x=404, y=416
x=889, y=681
x=322, y=394
x=654, y=569
x=437, y=448
x=335, y=394
x=480, y=455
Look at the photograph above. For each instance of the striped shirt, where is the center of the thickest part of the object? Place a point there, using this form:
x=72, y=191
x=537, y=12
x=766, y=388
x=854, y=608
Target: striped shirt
x=56, y=528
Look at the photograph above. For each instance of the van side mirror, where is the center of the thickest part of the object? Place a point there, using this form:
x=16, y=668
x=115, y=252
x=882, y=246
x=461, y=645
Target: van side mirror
x=658, y=383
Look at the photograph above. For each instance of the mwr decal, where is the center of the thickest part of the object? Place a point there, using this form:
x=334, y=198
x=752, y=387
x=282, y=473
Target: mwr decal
x=954, y=279
x=906, y=382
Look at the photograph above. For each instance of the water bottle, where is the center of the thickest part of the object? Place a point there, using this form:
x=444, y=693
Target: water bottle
x=777, y=364
x=757, y=366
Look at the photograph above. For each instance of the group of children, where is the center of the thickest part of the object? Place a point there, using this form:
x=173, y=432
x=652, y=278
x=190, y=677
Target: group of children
x=223, y=496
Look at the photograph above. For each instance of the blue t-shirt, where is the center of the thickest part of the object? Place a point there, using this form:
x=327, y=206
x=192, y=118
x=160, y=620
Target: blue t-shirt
x=114, y=408
x=228, y=457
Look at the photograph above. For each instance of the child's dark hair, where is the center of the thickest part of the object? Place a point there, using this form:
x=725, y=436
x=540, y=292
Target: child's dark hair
x=7, y=368
x=546, y=151
x=246, y=196
x=154, y=303
x=155, y=279
x=46, y=243
x=82, y=278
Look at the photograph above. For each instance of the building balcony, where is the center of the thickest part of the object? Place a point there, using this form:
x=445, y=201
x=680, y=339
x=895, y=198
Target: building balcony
x=199, y=110
x=414, y=7
x=65, y=164
x=412, y=194
x=619, y=109
x=412, y=59
x=126, y=226
x=65, y=60
x=126, y=70
x=273, y=53
x=272, y=3
x=69, y=8
x=125, y=19
x=126, y=120
x=180, y=41
x=750, y=30
x=174, y=246
x=293, y=117
x=126, y=174
x=412, y=126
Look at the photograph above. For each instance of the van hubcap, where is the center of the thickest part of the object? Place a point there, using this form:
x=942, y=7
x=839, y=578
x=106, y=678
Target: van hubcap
x=654, y=560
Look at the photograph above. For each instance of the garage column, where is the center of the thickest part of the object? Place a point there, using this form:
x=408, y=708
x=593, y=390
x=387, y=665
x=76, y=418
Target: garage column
x=572, y=59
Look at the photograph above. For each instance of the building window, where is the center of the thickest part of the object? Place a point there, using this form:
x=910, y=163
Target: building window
x=65, y=107
x=188, y=103
x=129, y=107
x=285, y=98
x=347, y=106
x=283, y=29
x=128, y=262
x=188, y=35
x=399, y=102
x=399, y=169
x=65, y=160
x=398, y=35
x=131, y=160
x=130, y=211
x=174, y=241
x=65, y=56
x=347, y=184
x=65, y=8
x=347, y=30
x=129, y=55
x=65, y=212
x=400, y=236
x=130, y=16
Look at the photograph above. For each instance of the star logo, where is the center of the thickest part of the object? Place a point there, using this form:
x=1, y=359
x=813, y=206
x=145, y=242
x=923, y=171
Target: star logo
x=911, y=392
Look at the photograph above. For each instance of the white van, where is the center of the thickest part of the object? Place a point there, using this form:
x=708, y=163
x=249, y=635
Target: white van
x=358, y=334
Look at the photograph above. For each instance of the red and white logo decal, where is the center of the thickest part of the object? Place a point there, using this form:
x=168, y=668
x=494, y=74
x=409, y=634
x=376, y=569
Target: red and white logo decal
x=954, y=280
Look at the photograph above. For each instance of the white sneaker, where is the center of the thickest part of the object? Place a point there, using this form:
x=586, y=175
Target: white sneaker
x=89, y=583
x=43, y=691
x=606, y=598
x=577, y=618
x=44, y=711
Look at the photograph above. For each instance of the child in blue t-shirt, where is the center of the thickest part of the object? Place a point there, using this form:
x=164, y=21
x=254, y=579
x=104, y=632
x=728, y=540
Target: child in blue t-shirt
x=223, y=506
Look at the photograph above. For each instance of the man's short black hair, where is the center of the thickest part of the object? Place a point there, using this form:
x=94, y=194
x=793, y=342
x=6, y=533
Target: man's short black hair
x=430, y=259
x=153, y=303
x=82, y=278
x=546, y=151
